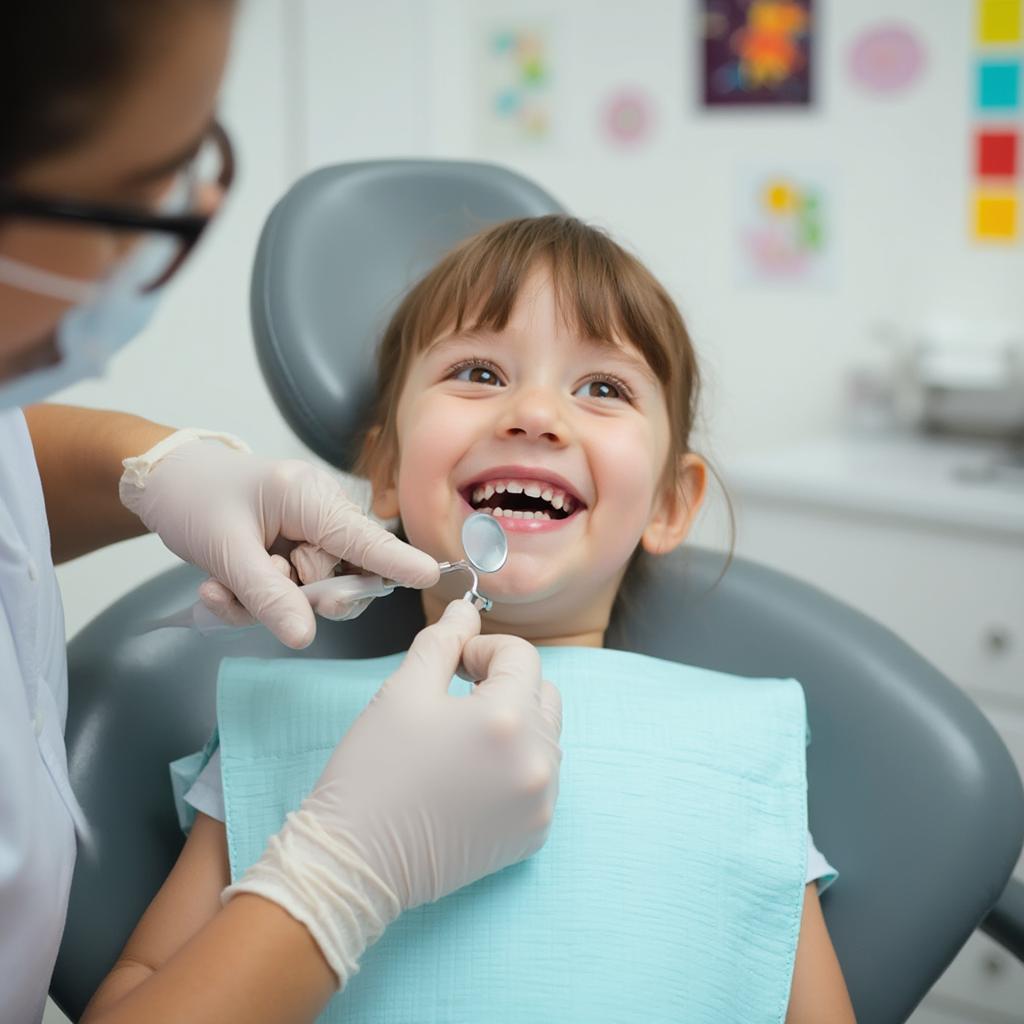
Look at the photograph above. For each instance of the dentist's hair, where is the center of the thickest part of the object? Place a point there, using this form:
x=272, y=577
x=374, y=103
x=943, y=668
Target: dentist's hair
x=63, y=62
x=603, y=291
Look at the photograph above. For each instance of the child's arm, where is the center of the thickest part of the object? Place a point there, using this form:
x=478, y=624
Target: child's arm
x=187, y=903
x=189, y=959
x=818, y=994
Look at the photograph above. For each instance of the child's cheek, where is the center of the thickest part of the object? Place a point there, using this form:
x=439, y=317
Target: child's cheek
x=626, y=473
x=425, y=495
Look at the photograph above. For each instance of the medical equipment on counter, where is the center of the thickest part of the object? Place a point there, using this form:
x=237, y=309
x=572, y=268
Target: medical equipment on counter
x=954, y=378
x=483, y=541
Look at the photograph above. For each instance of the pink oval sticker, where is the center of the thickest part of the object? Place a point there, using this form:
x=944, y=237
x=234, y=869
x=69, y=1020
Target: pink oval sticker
x=887, y=58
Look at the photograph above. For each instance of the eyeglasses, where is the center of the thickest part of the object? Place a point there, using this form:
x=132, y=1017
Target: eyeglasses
x=213, y=164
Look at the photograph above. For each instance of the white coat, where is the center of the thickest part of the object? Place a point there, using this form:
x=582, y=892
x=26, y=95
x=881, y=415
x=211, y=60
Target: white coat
x=38, y=812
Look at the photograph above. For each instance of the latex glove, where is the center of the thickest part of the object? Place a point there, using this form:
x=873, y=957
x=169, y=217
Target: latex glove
x=223, y=509
x=425, y=793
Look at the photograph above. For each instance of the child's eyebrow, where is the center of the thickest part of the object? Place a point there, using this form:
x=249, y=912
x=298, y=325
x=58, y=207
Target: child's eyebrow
x=454, y=337
x=623, y=354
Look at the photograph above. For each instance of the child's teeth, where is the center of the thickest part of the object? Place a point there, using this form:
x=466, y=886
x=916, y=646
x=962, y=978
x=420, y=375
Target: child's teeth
x=557, y=501
x=488, y=491
x=568, y=504
x=497, y=512
x=546, y=495
x=541, y=515
x=500, y=488
x=532, y=490
x=528, y=514
x=514, y=487
x=478, y=495
x=517, y=514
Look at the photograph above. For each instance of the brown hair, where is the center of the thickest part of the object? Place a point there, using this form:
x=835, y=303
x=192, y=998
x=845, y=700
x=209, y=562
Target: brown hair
x=61, y=65
x=600, y=288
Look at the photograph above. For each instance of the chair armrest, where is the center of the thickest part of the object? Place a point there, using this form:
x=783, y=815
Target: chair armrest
x=1005, y=921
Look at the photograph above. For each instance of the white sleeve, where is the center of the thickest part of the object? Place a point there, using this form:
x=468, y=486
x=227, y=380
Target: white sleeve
x=207, y=793
x=818, y=869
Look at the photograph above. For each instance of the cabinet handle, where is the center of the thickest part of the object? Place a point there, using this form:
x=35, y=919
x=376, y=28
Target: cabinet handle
x=997, y=640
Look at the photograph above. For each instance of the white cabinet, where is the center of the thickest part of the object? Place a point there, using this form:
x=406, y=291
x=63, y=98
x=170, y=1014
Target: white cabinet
x=890, y=527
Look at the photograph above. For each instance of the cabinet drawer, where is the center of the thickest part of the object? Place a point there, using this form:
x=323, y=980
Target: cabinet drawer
x=956, y=598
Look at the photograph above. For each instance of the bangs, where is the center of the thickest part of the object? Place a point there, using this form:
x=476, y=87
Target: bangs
x=603, y=293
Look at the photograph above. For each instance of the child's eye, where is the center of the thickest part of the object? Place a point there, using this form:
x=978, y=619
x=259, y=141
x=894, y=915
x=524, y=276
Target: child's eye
x=477, y=373
x=603, y=387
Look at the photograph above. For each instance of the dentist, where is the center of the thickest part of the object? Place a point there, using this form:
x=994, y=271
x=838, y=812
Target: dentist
x=111, y=165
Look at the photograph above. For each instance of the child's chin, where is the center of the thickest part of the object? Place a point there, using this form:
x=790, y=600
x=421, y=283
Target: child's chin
x=518, y=588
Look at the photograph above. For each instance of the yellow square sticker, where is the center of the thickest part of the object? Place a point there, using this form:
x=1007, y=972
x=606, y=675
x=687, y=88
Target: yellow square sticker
x=999, y=21
x=995, y=216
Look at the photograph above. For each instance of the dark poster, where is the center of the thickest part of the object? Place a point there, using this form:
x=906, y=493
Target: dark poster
x=757, y=52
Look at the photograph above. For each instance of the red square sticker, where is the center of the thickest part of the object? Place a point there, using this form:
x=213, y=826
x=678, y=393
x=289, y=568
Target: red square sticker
x=996, y=153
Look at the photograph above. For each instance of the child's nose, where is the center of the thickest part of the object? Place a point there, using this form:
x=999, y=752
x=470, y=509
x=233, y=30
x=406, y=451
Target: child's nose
x=535, y=415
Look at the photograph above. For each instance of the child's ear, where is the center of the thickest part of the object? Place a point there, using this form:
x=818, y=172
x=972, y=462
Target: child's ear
x=677, y=508
x=382, y=475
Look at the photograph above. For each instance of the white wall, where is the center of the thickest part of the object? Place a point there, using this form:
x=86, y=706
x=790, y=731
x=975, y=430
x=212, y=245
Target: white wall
x=317, y=81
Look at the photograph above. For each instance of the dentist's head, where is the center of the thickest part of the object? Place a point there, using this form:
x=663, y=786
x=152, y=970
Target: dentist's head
x=111, y=164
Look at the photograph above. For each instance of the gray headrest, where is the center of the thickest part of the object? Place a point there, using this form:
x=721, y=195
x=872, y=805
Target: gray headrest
x=336, y=255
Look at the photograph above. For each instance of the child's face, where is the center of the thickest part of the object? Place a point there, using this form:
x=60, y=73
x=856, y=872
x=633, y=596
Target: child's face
x=487, y=420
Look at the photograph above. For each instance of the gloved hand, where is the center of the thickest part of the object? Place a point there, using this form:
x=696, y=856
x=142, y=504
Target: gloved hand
x=223, y=509
x=426, y=792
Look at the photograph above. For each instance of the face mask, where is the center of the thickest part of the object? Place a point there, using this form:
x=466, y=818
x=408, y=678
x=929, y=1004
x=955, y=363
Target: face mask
x=107, y=315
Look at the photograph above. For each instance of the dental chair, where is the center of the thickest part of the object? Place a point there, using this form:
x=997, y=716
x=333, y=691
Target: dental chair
x=913, y=796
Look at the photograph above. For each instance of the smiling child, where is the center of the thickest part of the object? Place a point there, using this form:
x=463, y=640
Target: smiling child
x=541, y=374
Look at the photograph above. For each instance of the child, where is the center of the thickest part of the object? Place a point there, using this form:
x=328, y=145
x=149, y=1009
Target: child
x=540, y=373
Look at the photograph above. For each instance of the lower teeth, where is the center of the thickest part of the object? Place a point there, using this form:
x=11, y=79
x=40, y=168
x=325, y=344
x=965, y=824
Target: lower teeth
x=509, y=513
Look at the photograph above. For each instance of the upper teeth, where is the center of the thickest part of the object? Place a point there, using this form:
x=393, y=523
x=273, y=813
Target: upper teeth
x=554, y=496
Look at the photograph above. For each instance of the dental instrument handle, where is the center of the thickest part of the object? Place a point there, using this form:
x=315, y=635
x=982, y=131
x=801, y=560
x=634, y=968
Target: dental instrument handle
x=345, y=589
x=473, y=595
x=353, y=587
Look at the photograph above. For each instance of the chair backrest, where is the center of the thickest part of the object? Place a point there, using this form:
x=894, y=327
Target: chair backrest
x=334, y=258
x=912, y=794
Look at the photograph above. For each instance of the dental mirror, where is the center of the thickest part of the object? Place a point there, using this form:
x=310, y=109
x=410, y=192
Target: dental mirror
x=486, y=548
x=483, y=541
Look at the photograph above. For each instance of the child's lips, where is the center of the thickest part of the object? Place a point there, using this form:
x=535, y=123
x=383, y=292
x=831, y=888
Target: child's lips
x=512, y=525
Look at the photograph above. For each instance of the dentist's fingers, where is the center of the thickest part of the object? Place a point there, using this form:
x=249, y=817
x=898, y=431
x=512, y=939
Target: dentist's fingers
x=505, y=666
x=271, y=598
x=551, y=707
x=346, y=613
x=348, y=534
x=219, y=600
x=312, y=563
x=436, y=650
x=338, y=608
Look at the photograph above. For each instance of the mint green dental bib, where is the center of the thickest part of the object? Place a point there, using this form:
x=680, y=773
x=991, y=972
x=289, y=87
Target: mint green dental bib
x=670, y=889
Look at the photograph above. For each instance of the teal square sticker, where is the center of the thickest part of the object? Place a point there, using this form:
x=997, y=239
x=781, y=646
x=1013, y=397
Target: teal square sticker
x=999, y=84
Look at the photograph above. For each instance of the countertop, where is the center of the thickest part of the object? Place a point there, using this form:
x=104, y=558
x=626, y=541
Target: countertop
x=975, y=485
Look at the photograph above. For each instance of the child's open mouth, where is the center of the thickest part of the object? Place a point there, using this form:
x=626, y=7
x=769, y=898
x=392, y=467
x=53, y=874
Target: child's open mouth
x=522, y=500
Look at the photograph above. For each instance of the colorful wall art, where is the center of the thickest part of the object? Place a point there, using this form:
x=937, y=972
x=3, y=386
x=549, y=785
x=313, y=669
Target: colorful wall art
x=784, y=233
x=887, y=59
x=995, y=143
x=757, y=52
x=516, y=85
x=627, y=118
